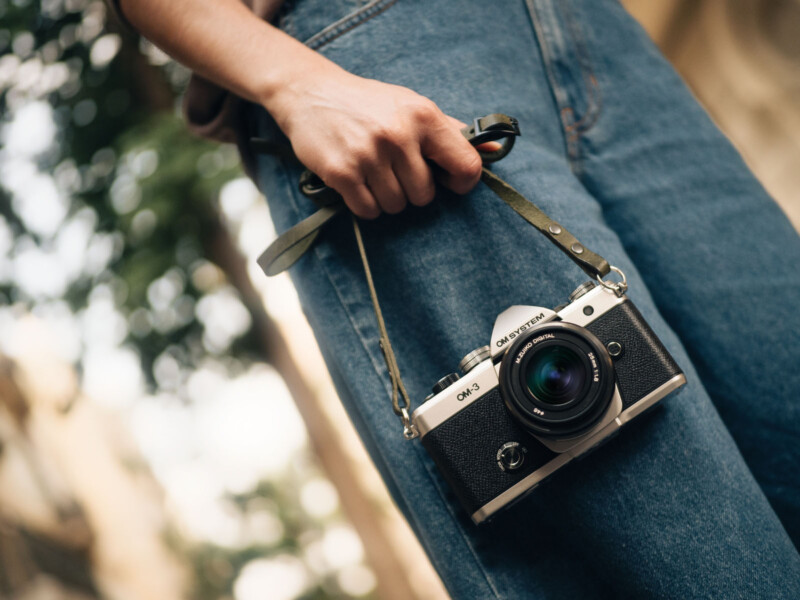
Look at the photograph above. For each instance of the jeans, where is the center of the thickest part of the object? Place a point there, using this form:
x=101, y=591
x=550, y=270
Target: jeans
x=701, y=498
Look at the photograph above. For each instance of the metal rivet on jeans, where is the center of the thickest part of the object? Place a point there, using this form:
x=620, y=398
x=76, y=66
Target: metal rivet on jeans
x=577, y=248
x=554, y=229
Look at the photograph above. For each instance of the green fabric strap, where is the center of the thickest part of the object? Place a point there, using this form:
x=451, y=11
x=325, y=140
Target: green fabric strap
x=592, y=264
x=398, y=389
x=291, y=245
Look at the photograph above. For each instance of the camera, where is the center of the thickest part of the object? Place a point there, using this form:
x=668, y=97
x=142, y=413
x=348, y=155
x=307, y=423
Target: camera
x=551, y=386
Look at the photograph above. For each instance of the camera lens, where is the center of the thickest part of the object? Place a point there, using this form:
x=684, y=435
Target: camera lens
x=557, y=379
x=556, y=374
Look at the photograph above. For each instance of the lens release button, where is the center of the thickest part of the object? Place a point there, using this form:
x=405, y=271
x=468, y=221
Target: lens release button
x=510, y=456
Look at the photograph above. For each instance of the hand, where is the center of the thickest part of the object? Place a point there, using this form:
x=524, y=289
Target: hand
x=379, y=145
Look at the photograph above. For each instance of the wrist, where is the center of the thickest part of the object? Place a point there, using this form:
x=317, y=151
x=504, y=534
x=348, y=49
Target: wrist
x=286, y=86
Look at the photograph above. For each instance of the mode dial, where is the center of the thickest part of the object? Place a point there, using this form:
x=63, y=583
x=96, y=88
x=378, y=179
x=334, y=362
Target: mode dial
x=474, y=358
x=581, y=290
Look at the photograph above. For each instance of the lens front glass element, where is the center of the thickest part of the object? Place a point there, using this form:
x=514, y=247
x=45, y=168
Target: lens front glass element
x=556, y=374
x=557, y=379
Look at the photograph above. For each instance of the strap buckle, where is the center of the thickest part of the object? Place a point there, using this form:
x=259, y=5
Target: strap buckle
x=492, y=128
x=313, y=188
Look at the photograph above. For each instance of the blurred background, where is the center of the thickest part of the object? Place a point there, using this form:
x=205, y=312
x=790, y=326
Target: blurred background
x=160, y=436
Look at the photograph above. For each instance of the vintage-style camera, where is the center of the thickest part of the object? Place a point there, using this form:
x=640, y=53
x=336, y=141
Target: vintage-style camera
x=552, y=385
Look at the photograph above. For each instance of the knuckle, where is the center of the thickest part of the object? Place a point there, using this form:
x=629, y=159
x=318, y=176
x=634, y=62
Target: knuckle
x=365, y=157
x=386, y=134
x=400, y=136
x=425, y=110
x=335, y=173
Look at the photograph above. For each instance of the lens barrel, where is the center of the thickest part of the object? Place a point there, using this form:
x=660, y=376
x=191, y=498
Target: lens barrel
x=557, y=379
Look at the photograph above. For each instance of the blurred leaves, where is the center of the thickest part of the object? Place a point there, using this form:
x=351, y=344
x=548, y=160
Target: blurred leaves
x=124, y=156
x=109, y=213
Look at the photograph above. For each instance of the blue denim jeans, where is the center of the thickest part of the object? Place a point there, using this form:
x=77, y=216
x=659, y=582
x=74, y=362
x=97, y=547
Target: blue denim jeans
x=702, y=497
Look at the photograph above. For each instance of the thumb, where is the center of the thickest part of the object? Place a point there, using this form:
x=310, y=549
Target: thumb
x=485, y=146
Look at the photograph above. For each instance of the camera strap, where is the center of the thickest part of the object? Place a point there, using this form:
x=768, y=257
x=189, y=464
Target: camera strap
x=296, y=241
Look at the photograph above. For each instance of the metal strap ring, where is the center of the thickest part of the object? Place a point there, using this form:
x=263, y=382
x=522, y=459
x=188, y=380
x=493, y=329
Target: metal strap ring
x=409, y=430
x=618, y=287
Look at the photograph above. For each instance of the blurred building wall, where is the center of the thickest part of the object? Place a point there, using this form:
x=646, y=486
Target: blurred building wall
x=741, y=58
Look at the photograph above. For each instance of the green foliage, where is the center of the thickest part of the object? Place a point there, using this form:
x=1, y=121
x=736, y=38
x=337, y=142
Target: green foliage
x=150, y=185
x=147, y=190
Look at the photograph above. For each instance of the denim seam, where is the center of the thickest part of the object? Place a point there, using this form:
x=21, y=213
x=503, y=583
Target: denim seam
x=587, y=72
x=348, y=23
x=571, y=129
x=547, y=61
x=382, y=375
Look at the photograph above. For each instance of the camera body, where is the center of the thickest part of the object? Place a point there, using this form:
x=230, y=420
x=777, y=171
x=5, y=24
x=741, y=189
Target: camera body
x=552, y=385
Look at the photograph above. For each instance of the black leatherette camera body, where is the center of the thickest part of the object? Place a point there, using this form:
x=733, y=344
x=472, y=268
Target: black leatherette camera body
x=466, y=445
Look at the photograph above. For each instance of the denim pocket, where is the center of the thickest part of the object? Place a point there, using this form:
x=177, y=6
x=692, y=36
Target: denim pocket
x=318, y=22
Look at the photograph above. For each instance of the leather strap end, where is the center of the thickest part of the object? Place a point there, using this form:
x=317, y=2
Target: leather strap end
x=291, y=245
x=275, y=260
x=590, y=263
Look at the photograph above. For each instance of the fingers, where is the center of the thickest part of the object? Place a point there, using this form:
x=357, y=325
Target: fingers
x=359, y=199
x=347, y=179
x=415, y=176
x=387, y=190
x=444, y=144
x=368, y=196
x=392, y=163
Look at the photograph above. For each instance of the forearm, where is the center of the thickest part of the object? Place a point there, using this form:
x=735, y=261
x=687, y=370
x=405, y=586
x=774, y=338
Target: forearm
x=372, y=142
x=228, y=44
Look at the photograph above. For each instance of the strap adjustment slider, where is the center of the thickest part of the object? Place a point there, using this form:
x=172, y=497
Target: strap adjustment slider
x=494, y=127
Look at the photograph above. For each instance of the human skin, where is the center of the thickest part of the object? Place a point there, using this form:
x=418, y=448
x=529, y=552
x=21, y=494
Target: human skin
x=379, y=145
